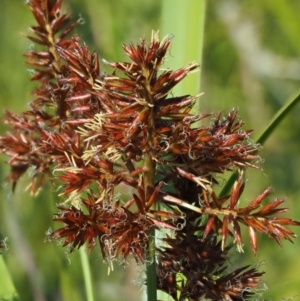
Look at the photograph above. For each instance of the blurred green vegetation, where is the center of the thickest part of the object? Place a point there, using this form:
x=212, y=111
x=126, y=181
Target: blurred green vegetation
x=250, y=61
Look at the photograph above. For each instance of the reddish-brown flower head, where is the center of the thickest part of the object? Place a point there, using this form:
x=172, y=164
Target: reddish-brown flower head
x=96, y=135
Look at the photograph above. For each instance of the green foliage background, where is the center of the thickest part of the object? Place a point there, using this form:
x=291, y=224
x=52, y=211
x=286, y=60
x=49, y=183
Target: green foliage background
x=250, y=61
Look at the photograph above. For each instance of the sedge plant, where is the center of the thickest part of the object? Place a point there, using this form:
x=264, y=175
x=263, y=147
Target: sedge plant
x=94, y=134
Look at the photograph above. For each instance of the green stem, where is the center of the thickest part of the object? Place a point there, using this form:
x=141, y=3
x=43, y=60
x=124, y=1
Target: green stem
x=151, y=259
x=278, y=117
x=86, y=274
x=7, y=289
x=266, y=133
x=151, y=269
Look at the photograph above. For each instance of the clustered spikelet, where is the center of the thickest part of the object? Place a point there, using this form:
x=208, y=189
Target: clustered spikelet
x=95, y=134
x=191, y=268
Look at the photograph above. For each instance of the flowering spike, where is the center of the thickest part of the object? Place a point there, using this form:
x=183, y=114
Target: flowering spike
x=102, y=134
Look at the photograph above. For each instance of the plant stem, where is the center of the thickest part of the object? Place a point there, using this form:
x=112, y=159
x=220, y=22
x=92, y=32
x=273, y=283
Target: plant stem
x=278, y=117
x=150, y=260
x=7, y=289
x=266, y=133
x=151, y=269
x=86, y=274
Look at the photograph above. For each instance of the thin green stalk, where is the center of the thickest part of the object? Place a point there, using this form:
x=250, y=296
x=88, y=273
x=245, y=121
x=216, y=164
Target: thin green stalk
x=266, y=133
x=151, y=269
x=149, y=175
x=149, y=180
x=7, y=288
x=86, y=274
x=278, y=117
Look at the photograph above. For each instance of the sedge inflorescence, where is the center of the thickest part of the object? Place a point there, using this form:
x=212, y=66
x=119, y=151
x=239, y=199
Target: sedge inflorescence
x=97, y=134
